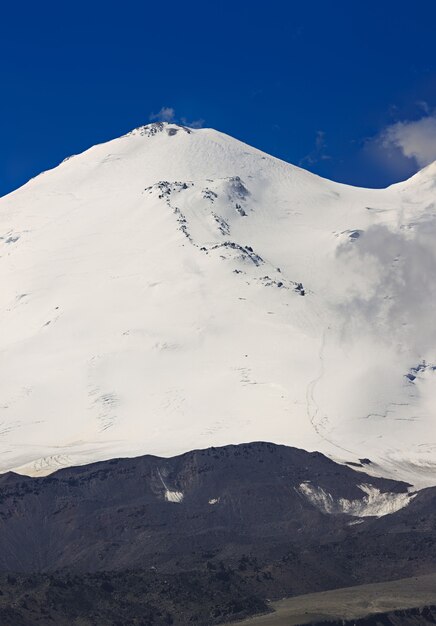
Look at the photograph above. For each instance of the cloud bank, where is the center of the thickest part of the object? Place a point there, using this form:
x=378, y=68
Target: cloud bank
x=389, y=291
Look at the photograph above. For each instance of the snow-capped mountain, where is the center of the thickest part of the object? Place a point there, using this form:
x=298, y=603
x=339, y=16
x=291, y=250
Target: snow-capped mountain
x=176, y=289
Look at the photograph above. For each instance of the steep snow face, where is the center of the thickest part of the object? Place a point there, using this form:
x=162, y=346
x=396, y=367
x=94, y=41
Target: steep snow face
x=176, y=289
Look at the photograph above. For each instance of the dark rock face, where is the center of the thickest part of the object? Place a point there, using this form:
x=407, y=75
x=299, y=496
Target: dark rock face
x=230, y=523
x=150, y=511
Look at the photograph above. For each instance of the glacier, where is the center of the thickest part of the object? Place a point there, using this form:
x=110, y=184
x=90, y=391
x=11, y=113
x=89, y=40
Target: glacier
x=175, y=288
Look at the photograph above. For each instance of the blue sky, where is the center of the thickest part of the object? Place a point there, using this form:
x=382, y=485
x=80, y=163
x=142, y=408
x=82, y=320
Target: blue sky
x=345, y=89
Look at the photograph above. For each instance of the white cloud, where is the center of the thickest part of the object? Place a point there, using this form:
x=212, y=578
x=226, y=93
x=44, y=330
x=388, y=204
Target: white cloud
x=194, y=124
x=415, y=139
x=166, y=114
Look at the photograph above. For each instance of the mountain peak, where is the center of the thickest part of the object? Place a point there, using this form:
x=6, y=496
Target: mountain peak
x=170, y=128
x=160, y=295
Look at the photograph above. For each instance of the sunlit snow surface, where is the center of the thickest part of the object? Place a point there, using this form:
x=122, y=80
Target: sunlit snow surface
x=152, y=302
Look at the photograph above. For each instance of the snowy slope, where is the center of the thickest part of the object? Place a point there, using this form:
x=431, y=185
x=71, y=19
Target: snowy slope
x=176, y=288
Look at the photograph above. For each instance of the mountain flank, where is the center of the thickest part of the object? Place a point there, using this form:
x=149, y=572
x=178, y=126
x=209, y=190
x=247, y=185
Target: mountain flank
x=175, y=289
x=239, y=525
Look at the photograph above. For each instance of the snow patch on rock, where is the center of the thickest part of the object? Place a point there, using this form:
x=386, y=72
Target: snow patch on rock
x=374, y=503
x=173, y=496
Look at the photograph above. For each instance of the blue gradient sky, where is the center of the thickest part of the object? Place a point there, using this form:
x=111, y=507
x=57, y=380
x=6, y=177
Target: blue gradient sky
x=346, y=89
